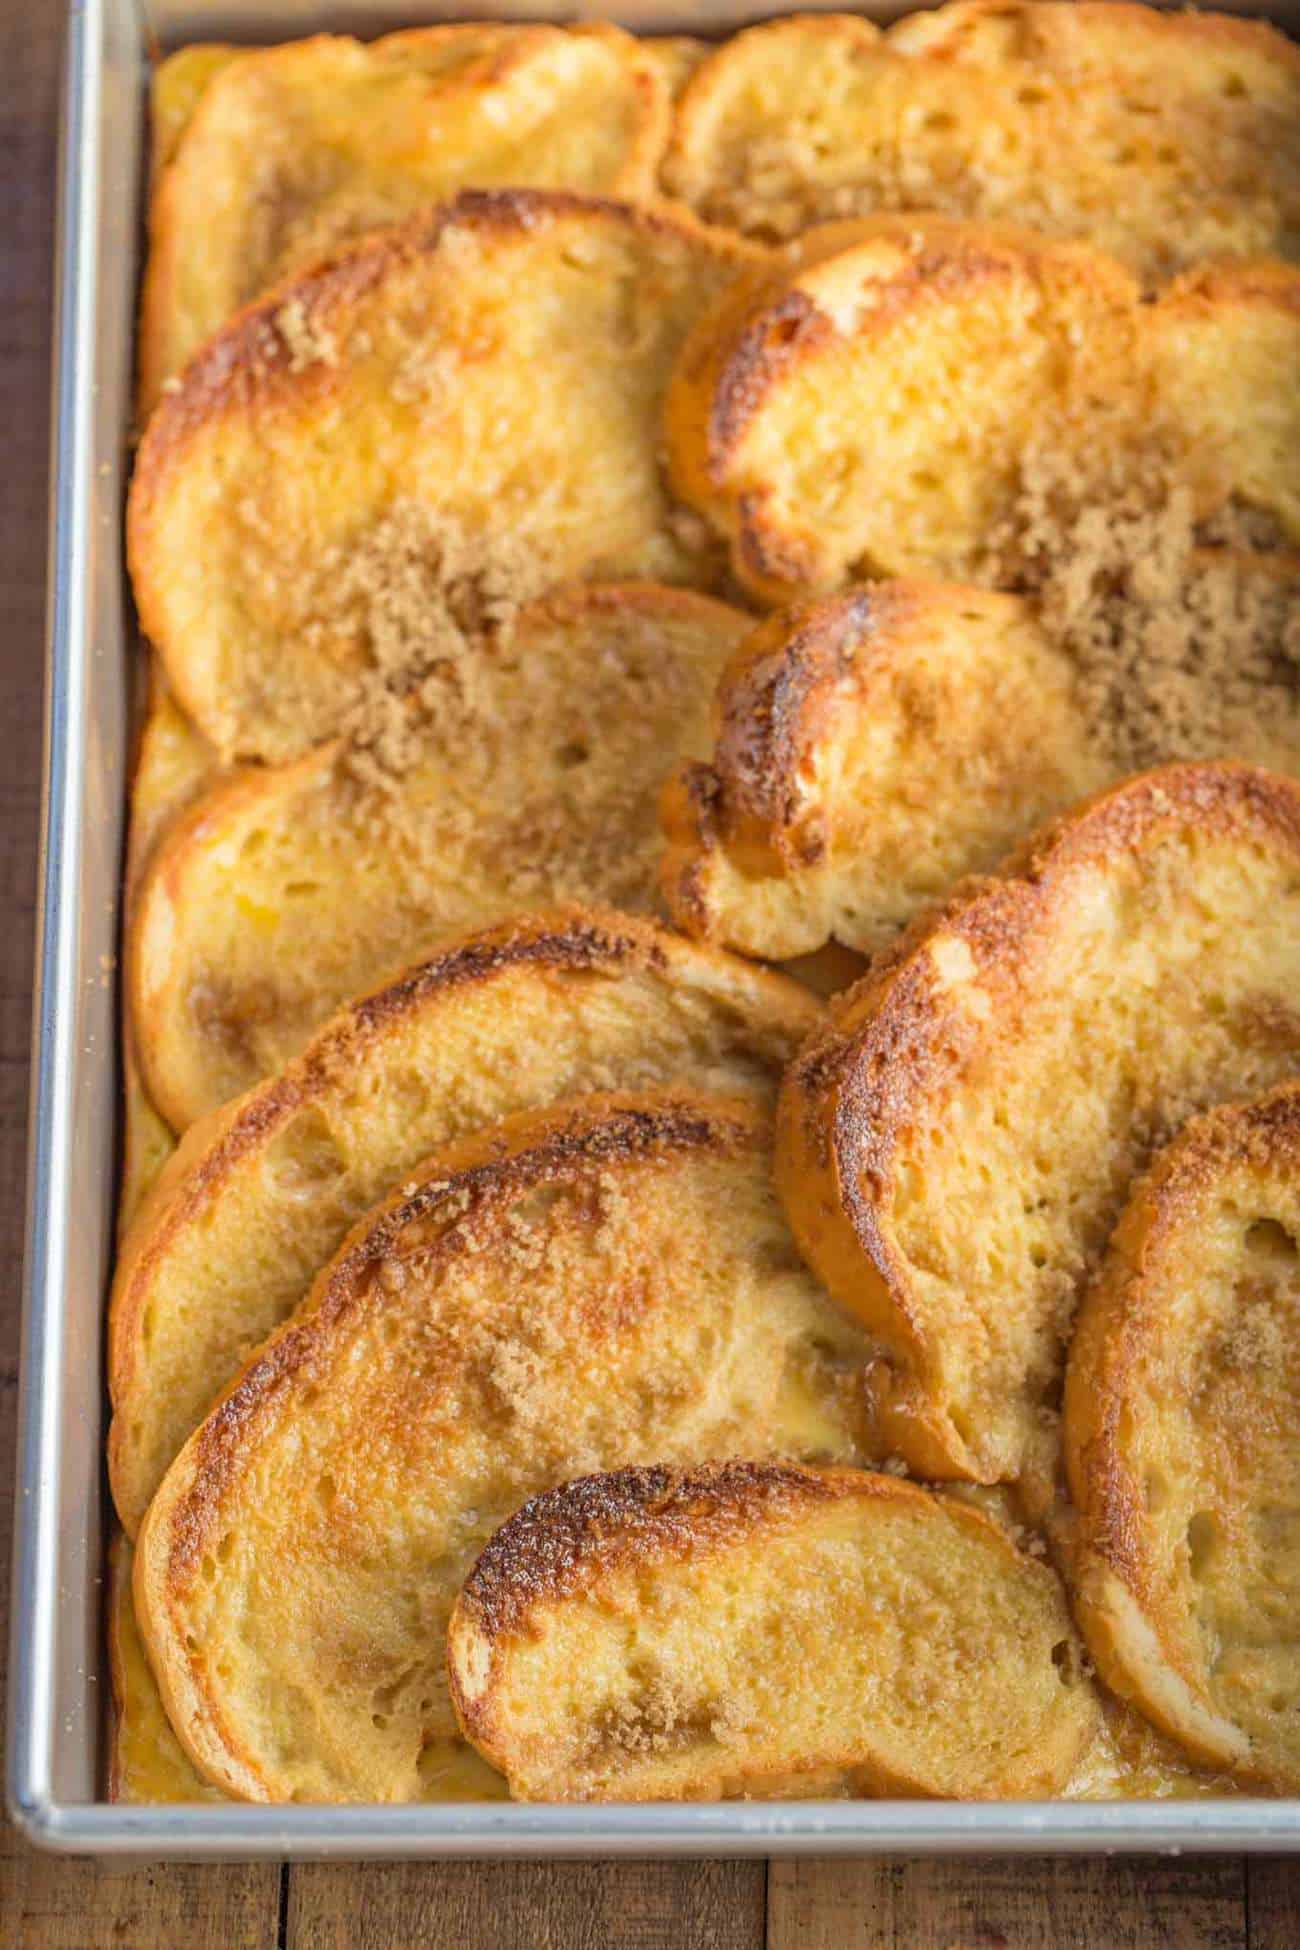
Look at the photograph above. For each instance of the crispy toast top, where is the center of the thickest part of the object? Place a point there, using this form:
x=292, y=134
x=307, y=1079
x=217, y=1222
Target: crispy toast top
x=550, y=1296
x=1163, y=137
x=873, y=747
x=478, y=392
x=273, y=158
x=954, y=1148
x=753, y=1628
x=261, y=1192
x=1181, y=1429
x=874, y=399
x=524, y=771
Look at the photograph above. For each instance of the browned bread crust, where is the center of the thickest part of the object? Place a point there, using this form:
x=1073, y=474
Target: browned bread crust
x=1163, y=136
x=1181, y=1442
x=869, y=401
x=490, y=375
x=269, y=159
x=753, y=1628
x=955, y=1146
x=550, y=1296
x=262, y=1191
x=528, y=775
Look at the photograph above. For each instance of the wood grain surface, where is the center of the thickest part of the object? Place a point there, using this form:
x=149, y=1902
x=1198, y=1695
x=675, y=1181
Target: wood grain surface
x=52, y=1904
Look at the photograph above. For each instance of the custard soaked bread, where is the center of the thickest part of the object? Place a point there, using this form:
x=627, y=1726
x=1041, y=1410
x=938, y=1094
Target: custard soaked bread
x=546, y=1298
x=882, y=398
x=1182, y=1438
x=273, y=157
x=955, y=1147
x=872, y=747
x=1163, y=137
x=478, y=394
x=261, y=1193
x=526, y=771
x=754, y=1628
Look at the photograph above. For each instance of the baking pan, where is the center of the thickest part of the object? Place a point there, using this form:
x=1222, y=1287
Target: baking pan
x=59, y=1672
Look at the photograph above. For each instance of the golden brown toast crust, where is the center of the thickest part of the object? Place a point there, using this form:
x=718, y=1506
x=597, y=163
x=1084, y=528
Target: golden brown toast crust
x=491, y=1025
x=529, y=777
x=433, y=1374
x=1179, y=1433
x=871, y=1111
x=951, y=351
x=236, y=208
x=312, y=419
x=870, y=749
x=658, y=1712
x=1164, y=136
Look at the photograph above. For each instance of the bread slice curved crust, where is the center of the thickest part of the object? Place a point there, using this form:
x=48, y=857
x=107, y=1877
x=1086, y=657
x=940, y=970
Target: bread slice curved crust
x=147, y=1764
x=531, y=776
x=480, y=390
x=868, y=401
x=259, y=1194
x=1182, y=1442
x=954, y=1148
x=870, y=749
x=1161, y=137
x=873, y=747
x=751, y=1628
x=545, y=1298
x=283, y=154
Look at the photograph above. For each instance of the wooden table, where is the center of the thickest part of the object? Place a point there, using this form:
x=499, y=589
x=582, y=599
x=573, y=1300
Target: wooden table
x=51, y=1904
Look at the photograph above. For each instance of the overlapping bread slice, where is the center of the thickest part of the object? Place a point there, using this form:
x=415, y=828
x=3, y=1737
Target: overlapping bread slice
x=172, y=766
x=904, y=396
x=755, y=1628
x=411, y=441
x=599, y=1282
x=1182, y=1440
x=274, y=157
x=872, y=747
x=955, y=1147
x=1163, y=137
x=146, y=1761
x=260, y=1194
x=527, y=772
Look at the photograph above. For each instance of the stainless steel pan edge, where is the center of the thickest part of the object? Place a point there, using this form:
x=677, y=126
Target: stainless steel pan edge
x=58, y=1670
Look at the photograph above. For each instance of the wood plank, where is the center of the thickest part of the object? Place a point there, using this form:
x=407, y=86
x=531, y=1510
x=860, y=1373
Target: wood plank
x=527, y=1906
x=1272, y=1902
x=1061, y=1903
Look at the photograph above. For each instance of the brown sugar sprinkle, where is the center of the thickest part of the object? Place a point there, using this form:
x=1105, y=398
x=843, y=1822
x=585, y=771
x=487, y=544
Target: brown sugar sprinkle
x=1185, y=633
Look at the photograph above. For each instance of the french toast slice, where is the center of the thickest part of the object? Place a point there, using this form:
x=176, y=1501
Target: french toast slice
x=873, y=747
x=955, y=1147
x=527, y=772
x=172, y=765
x=1162, y=137
x=146, y=1761
x=874, y=399
x=273, y=158
x=459, y=414
x=260, y=1193
x=549, y=1297
x=757, y=1629
x=1182, y=1443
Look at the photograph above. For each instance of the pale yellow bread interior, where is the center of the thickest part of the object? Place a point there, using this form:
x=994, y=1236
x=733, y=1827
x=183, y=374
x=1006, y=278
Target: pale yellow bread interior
x=1182, y=1440
x=871, y=748
x=528, y=773
x=260, y=1193
x=1161, y=136
x=957, y=1144
x=271, y=158
x=172, y=765
x=480, y=389
x=872, y=400
x=755, y=1629
x=536, y=1302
